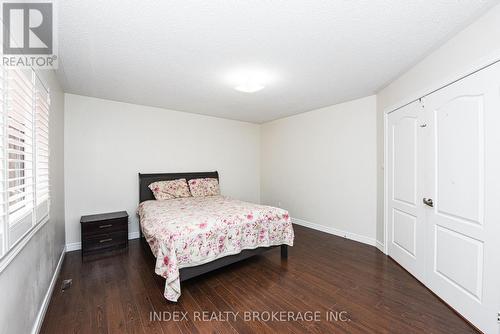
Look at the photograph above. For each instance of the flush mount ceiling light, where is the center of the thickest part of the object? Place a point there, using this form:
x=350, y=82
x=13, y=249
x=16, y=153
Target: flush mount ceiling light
x=250, y=87
x=249, y=80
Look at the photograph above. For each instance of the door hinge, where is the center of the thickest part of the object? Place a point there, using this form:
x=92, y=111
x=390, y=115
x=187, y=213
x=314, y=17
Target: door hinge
x=498, y=316
x=422, y=103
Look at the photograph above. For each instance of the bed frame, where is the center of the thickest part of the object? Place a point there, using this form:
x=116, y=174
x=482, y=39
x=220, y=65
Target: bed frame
x=186, y=273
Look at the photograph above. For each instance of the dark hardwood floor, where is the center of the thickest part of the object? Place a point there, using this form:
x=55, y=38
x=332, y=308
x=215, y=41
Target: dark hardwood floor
x=323, y=273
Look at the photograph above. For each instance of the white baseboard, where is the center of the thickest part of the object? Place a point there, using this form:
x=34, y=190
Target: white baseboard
x=133, y=235
x=335, y=231
x=73, y=246
x=46, y=300
x=380, y=246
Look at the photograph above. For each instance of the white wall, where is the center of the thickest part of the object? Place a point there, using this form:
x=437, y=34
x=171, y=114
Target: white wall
x=107, y=143
x=479, y=41
x=24, y=282
x=321, y=166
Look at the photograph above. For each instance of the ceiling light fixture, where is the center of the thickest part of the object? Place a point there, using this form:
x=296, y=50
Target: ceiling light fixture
x=249, y=87
x=249, y=80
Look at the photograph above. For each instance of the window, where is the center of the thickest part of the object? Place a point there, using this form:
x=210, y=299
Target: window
x=24, y=155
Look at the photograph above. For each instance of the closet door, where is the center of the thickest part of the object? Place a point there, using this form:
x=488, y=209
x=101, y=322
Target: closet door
x=462, y=154
x=406, y=226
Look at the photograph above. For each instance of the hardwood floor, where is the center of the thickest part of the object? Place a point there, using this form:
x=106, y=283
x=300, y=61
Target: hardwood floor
x=323, y=273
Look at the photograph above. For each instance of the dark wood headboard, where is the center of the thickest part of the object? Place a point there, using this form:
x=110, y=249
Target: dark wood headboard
x=146, y=179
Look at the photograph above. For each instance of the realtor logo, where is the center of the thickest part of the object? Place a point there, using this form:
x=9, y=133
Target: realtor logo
x=28, y=34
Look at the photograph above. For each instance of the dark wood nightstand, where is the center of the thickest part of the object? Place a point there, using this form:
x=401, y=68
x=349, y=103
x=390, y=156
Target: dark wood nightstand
x=104, y=232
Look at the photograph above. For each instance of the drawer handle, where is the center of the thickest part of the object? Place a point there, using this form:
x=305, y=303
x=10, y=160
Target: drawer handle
x=104, y=226
x=105, y=240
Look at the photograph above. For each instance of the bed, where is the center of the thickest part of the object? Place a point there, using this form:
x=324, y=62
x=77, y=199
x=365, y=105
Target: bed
x=192, y=236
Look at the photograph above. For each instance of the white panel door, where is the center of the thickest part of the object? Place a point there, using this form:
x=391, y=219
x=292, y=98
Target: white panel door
x=406, y=228
x=462, y=168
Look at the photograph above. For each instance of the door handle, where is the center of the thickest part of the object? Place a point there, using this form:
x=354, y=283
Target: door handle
x=428, y=201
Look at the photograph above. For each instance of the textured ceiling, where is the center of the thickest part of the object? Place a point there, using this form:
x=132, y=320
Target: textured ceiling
x=177, y=54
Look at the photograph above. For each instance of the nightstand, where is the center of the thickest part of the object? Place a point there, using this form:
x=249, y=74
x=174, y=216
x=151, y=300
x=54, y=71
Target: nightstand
x=104, y=232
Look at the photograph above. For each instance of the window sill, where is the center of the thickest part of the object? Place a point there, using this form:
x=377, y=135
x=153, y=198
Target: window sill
x=19, y=245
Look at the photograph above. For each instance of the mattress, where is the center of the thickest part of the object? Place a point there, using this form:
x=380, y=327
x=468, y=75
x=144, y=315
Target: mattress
x=187, y=232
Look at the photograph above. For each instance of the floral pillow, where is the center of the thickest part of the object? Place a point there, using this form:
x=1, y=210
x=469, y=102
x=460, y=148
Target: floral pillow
x=170, y=189
x=204, y=187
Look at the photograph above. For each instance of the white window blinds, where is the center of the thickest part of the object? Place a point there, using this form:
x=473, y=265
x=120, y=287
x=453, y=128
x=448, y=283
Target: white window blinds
x=42, y=103
x=3, y=167
x=24, y=148
x=19, y=145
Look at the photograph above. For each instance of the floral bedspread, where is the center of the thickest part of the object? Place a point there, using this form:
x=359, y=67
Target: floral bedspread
x=187, y=232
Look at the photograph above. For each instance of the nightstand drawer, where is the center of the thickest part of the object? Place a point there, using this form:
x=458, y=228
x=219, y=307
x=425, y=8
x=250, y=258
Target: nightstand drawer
x=104, y=231
x=105, y=240
x=105, y=226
